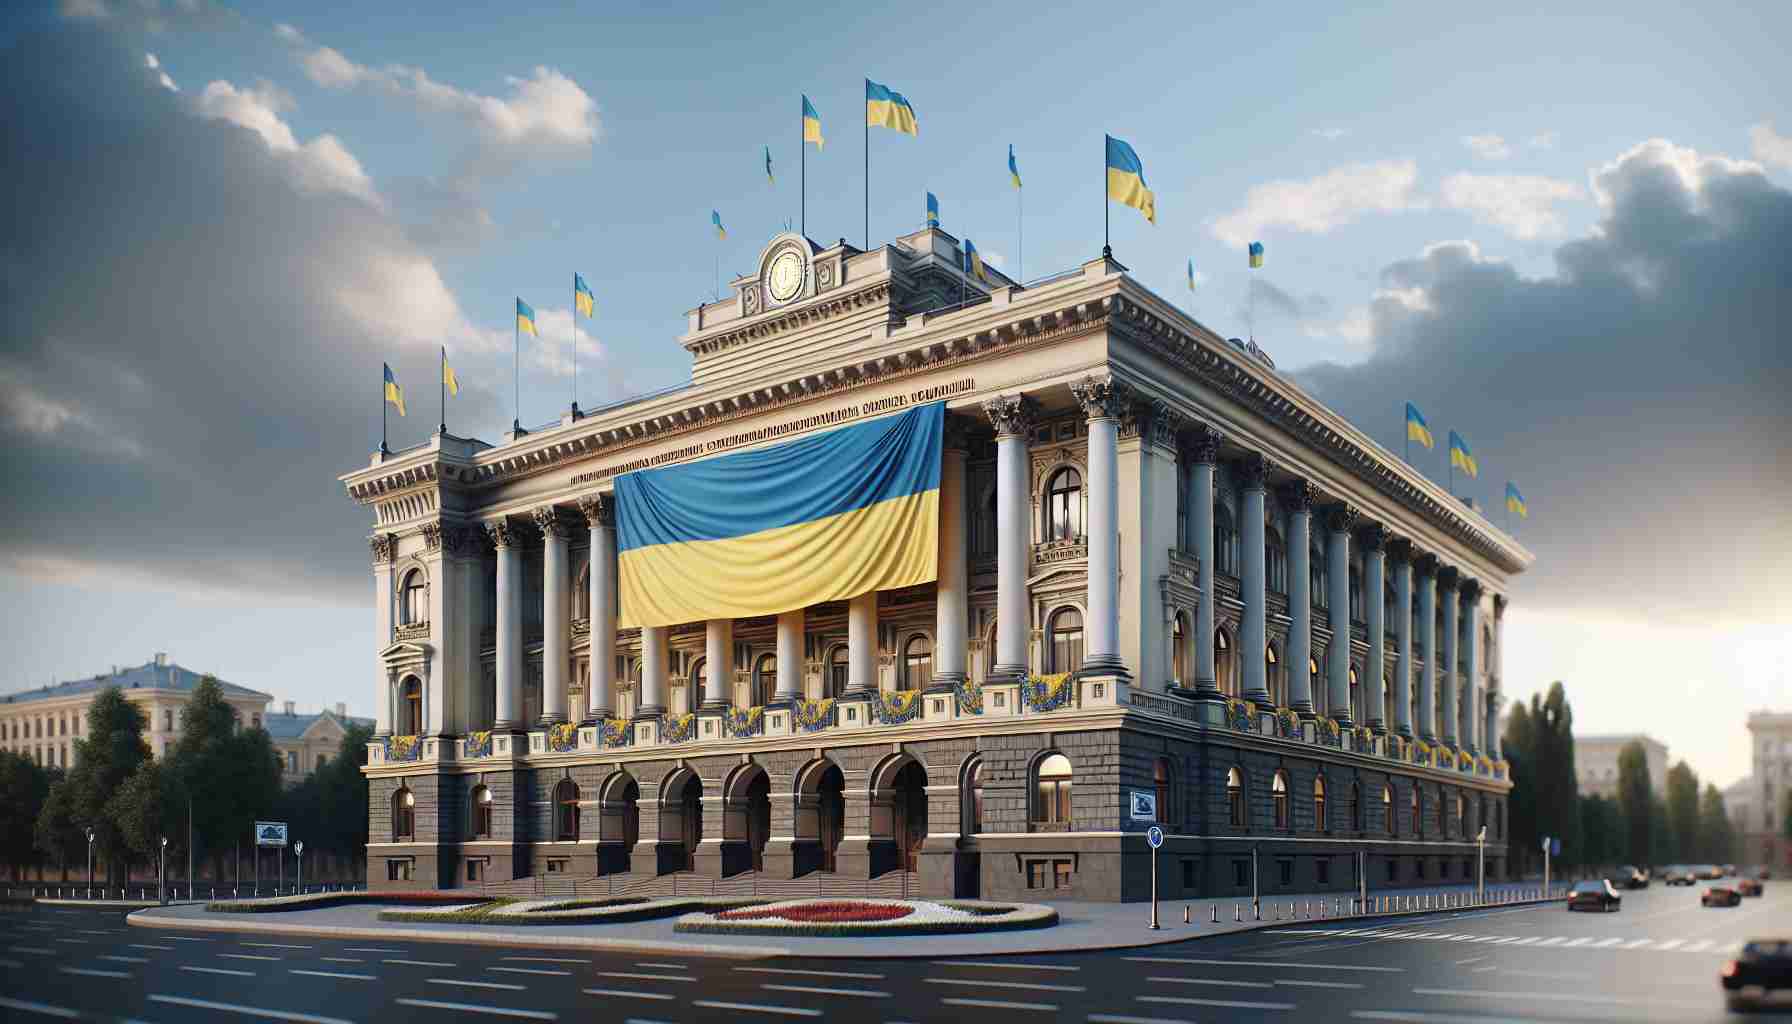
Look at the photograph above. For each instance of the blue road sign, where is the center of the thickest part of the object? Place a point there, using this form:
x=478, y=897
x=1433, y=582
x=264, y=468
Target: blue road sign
x=1155, y=836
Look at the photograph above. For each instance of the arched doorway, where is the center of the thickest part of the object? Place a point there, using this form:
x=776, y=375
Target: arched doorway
x=619, y=822
x=746, y=820
x=820, y=817
x=681, y=821
x=908, y=806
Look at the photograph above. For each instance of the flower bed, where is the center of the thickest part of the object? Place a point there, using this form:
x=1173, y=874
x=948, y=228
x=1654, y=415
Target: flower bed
x=615, y=910
x=313, y=900
x=871, y=917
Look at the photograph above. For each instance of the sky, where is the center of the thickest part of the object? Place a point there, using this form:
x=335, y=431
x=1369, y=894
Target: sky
x=1566, y=235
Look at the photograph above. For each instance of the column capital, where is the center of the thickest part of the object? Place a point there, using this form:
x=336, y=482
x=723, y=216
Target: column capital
x=1425, y=565
x=1103, y=397
x=1499, y=606
x=1299, y=495
x=1154, y=421
x=432, y=535
x=1399, y=549
x=957, y=435
x=599, y=510
x=1341, y=517
x=382, y=546
x=1201, y=444
x=1253, y=471
x=547, y=519
x=1470, y=589
x=1448, y=577
x=1012, y=415
x=503, y=533
x=1372, y=536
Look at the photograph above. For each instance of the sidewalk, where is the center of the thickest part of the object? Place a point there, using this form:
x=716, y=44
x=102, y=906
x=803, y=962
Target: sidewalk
x=1081, y=927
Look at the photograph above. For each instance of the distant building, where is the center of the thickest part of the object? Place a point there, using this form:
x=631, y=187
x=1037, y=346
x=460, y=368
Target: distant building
x=1763, y=838
x=44, y=723
x=1596, y=763
x=306, y=742
x=1742, y=802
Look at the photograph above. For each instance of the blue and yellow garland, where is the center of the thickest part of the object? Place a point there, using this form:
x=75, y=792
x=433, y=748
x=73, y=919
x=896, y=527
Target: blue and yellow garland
x=812, y=715
x=563, y=737
x=614, y=732
x=1046, y=693
x=897, y=706
x=479, y=744
x=403, y=748
x=970, y=697
x=739, y=722
x=681, y=728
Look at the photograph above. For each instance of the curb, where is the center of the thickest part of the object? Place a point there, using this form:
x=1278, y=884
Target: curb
x=47, y=901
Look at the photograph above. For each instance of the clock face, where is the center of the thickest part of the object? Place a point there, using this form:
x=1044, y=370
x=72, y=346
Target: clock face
x=785, y=278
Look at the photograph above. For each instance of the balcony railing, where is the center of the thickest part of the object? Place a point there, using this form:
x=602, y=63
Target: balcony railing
x=411, y=631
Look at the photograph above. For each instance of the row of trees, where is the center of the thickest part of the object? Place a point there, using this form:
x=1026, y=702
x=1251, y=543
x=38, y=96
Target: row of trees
x=218, y=777
x=1637, y=826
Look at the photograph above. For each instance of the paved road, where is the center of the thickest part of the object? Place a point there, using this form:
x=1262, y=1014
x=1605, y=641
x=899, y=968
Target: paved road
x=1656, y=960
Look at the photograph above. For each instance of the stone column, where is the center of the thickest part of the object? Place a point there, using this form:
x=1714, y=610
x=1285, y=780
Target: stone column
x=600, y=696
x=1493, y=725
x=1299, y=496
x=382, y=546
x=1426, y=568
x=1400, y=549
x=1013, y=417
x=861, y=646
x=653, y=677
x=1202, y=453
x=790, y=658
x=556, y=617
x=718, y=663
x=1104, y=400
x=1471, y=645
x=1339, y=519
x=1497, y=683
x=1253, y=633
x=952, y=608
x=1371, y=537
x=509, y=661
x=1447, y=685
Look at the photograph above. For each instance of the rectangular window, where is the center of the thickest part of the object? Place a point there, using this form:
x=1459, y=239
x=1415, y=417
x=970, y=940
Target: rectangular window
x=1322, y=871
x=399, y=870
x=1241, y=873
x=1285, y=871
x=475, y=870
x=292, y=761
x=558, y=865
x=1035, y=874
x=1060, y=874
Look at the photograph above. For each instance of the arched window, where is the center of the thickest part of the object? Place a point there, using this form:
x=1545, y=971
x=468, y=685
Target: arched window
x=482, y=813
x=1225, y=540
x=1224, y=668
x=1272, y=676
x=917, y=661
x=1356, y=699
x=1278, y=795
x=566, y=811
x=837, y=670
x=404, y=814
x=1064, y=653
x=765, y=679
x=698, y=667
x=1356, y=807
x=1051, y=793
x=1387, y=808
x=1064, y=506
x=412, y=605
x=1320, y=821
x=973, y=782
x=1179, y=650
x=1317, y=574
x=1235, y=797
x=1418, y=811
x=410, y=707
x=1160, y=784
x=1275, y=561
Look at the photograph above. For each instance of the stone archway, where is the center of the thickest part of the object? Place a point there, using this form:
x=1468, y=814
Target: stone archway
x=820, y=820
x=618, y=822
x=681, y=821
x=898, y=831
x=746, y=825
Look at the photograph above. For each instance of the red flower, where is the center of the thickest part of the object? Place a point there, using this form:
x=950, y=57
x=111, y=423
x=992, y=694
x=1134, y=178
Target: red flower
x=832, y=912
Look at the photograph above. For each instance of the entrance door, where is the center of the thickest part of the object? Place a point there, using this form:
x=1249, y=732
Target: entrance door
x=831, y=811
x=909, y=804
x=691, y=823
x=759, y=819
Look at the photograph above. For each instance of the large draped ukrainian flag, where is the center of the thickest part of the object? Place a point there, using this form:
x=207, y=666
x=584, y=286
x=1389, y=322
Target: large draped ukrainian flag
x=821, y=518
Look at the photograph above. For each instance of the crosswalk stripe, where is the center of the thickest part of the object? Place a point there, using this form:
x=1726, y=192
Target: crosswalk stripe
x=1697, y=947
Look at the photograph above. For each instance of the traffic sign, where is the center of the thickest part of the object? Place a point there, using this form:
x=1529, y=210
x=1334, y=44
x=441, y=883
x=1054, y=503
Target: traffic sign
x=1155, y=836
x=1545, y=844
x=1555, y=847
x=270, y=833
x=1144, y=805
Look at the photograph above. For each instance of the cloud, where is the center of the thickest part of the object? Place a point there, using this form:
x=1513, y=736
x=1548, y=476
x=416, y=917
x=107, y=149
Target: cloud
x=1770, y=147
x=1320, y=204
x=322, y=165
x=1544, y=140
x=1636, y=394
x=151, y=62
x=195, y=332
x=1487, y=147
x=1521, y=204
x=1331, y=134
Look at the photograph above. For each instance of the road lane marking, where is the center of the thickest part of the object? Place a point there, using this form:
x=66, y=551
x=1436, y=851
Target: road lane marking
x=808, y=973
x=247, y=956
x=1230, y=1004
x=1527, y=940
x=667, y=967
x=498, y=1011
x=1470, y=960
x=1262, y=963
x=120, y=958
x=31, y=949
x=637, y=975
x=94, y=972
x=44, y=1008
x=1558, y=997
x=1210, y=981
x=148, y=945
x=73, y=942
x=998, y=1004
x=1669, y=944
x=1553, y=940
x=342, y=959
x=627, y=994
x=1415, y=1017
x=1577, y=943
x=218, y=970
x=184, y=938
x=1697, y=947
x=419, y=963
x=369, y=949
x=548, y=960
x=501, y=985
x=1319, y=984
x=1116, y=1018
x=863, y=993
x=272, y=945
x=1035, y=986
x=787, y=1011
x=1007, y=966
x=552, y=972
x=333, y=974
x=95, y=931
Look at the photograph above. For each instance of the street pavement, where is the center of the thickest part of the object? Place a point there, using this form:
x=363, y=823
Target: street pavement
x=1656, y=960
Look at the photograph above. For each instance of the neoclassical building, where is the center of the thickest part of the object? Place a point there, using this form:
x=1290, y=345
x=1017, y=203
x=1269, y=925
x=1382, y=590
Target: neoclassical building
x=1171, y=588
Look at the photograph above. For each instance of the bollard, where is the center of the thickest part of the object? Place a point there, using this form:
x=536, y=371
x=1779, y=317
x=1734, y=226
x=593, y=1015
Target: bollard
x=1216, y=913
x=1185, y=913
x=1235, y=913
x=1257, y=911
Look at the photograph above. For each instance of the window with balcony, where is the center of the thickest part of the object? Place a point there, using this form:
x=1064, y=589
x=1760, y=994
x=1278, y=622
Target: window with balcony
x=917, y=662
x=1064, y=653
x=838, y=670
x=410, y=707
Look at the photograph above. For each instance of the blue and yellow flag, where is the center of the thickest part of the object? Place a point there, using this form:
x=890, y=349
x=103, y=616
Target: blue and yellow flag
x=973, y=262
x=822, y=518
x=716, y=219
x=1256, y=252
x=449, y=380
x=582, y=299
x=768, y=166
x=933, y=211
x=1191, y=273
x=393, y=393
x=1461, y=457
x=1515, y=501
x=525, y=318
x=1013, y=171
x=886, y=108
x=1126, y=179
x=811, y=124
x=1416, y=427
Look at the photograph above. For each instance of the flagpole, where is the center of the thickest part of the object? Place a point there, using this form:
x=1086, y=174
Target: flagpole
x=1020, y=231
x=1107, y=249
x=802, y=186
x=516, y=378
x=442, y=428
x=867, y=174
x=575, y=345
x=383, y=449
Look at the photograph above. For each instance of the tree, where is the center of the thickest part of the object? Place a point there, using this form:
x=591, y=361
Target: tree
x=1635, y=798
x=1683, y=810
x=24, y=786
x=1717, y=837
x=108, y=755
x=1521, y=807
x=150, y=807
x=231, y=774
x=1786, y=828
x=1558, y=794
x=329, y=808
x=1661, y=836
x=1602, y=839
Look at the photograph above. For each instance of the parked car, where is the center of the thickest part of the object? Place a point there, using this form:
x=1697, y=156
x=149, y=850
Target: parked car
x=1749, y=887
x=1729, y=870
x=1678, y=874
x=1720, y=896
x=1763, y=872
x=1710, y=872
x=1594, y=894
x=1630, y=877
x=1765, y=966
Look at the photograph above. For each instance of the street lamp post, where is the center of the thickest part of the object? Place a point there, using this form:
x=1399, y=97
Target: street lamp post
x=90, y=862
x=162, y=874
x=1481, y=865
x=298, y=852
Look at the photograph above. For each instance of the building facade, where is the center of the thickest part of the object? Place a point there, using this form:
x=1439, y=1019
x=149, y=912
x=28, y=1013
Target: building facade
x=1596, y=763
x=1764, y=838
x=304, y=743
x=1171, y=588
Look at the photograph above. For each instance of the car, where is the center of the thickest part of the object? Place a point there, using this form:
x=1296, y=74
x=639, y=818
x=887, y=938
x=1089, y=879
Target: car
x=1678, y=874
x=1630, y=877
x=1710, y=872
x=1729, y=870
x=1720, y=896
x=1594, y=894
x=1764, y=966
x=1763, y=872
x=1749, y=887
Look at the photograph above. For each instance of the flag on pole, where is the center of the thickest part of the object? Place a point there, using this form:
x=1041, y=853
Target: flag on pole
x=525, y=318
x=973, y=262
x=768, y=166
x=811, y=124
x=1416, y=428
x=1191, y=273
x=1256, y=251
x=716, y=219
x=449, y=380
x=933, y=211
x=887, y=108
x=394, y=393
x=1126, y=179
x=1461, y=457
x=1515, y=501
x=1013, y=171
x=582, y=299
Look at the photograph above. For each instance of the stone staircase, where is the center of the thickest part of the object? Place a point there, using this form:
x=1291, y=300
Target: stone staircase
x=746, y=885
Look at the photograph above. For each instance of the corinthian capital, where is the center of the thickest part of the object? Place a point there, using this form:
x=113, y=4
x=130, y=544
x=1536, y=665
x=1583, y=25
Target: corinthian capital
x=1341, y=517
x=432, y=536
x=1470, y=590
x=1371, y=536
x=503, y=533
x=1103, y=397
x=599, y=510
x=1425, y=566
x=1299, y=495
x=382, y=546
x=1399, y=550
x=1253, y=471
x=1447, y=577
x=1012, y=415
x=1201, y=444
x=547, y=520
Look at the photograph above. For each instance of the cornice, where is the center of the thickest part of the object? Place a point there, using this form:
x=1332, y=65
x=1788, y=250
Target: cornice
x=785, y=320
